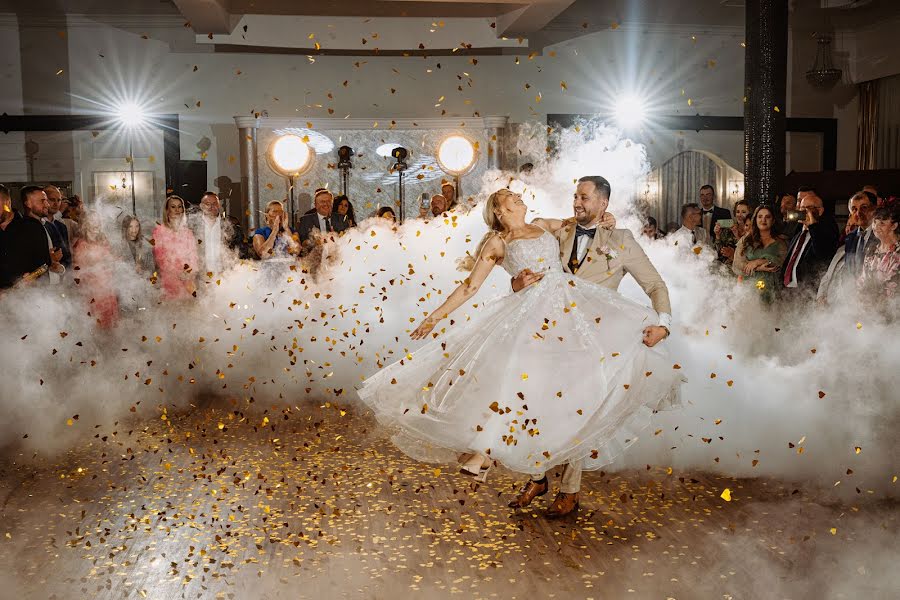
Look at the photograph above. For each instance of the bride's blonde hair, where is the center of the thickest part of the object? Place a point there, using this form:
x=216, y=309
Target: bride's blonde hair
x=495, y=227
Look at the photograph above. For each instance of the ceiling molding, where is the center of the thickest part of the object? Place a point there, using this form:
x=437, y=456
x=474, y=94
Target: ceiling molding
x=332, y=124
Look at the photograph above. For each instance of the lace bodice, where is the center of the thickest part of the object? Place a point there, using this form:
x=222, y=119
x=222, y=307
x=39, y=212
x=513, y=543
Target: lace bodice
x=539, y=254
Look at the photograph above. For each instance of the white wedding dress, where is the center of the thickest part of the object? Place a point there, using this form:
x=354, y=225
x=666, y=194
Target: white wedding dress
x=539, y=378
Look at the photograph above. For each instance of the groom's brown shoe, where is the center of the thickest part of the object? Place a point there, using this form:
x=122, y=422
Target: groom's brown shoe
x=532, y=490
x=563, y=505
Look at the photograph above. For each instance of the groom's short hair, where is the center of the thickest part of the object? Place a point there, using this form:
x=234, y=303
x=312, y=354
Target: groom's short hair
x=600, y=183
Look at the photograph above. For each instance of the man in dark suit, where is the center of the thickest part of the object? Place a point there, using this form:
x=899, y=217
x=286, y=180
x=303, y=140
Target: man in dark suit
x=858, y=241
x=709, y=212
x=318, y=222
x=811, y=249
x=27, y=242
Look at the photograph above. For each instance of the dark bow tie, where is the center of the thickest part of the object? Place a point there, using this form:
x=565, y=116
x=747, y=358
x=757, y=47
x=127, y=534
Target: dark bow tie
x=580, y=231
x=705, y=210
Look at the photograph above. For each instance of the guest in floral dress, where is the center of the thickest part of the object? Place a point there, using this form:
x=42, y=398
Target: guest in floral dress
x=880, y=275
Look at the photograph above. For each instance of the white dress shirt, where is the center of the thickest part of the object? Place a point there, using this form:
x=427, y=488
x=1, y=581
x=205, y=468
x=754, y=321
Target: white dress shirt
x=212, y=243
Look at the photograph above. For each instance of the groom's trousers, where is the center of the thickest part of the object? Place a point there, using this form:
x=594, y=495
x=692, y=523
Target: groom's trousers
x=571, y=477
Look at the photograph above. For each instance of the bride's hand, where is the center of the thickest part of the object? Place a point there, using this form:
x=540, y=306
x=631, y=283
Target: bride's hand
x=424, y=328
x=608, y=221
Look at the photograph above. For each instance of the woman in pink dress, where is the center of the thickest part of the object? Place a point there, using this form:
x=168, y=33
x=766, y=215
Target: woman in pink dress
x=175, y=251
x=93, y=262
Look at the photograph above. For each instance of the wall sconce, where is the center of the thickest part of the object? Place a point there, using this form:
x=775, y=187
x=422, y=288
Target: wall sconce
x=736, y=189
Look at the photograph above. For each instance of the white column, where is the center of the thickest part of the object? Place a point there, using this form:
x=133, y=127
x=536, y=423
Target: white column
x=495, y=132
x=247, y=127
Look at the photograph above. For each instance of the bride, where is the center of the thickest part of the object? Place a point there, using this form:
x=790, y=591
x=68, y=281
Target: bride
x=539, y=378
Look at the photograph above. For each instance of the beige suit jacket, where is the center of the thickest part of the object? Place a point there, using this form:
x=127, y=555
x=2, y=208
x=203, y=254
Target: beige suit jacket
x=630, y=258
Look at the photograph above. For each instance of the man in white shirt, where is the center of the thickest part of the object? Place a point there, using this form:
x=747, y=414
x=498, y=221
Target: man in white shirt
x=691, y=233
x=208, y=229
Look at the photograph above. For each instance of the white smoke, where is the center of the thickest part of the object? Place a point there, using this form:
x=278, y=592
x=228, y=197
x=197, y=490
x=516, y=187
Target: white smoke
x=269, y=334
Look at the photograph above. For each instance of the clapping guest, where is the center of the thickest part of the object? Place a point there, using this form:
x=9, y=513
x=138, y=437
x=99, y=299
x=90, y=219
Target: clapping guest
x=175, y=251
x=880, y=277
x=727, y=238
x=93, y=270
x=386, y=212
x=760, y=253
x=342, y=215
x=138, y=249
x=275, y=239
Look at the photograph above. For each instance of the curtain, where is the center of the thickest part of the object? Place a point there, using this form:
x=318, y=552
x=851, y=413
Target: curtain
x=680, y=179
x=887, y=136
x=867, y=124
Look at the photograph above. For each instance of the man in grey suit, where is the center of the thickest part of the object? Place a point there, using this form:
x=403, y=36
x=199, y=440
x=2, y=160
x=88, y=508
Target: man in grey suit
x=585, y=242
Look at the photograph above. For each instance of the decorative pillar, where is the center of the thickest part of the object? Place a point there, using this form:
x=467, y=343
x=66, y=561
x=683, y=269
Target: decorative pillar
x=247, y=127
x=495, y=132
x=765, y=82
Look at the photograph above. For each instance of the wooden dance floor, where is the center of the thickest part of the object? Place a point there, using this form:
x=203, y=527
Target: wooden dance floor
x=317, y=504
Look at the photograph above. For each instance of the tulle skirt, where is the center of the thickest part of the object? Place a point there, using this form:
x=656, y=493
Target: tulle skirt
x=554, y=373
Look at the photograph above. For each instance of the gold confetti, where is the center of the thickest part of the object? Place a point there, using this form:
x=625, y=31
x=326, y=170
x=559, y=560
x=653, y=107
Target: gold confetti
x=726, y=495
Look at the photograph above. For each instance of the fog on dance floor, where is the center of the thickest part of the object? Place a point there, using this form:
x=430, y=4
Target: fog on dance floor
x=804, y=394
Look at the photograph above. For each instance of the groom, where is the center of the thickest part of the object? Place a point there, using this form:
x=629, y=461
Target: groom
x=584, y=244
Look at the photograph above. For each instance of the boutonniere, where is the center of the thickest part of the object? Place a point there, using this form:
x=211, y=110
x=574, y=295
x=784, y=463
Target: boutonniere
x=608, y=252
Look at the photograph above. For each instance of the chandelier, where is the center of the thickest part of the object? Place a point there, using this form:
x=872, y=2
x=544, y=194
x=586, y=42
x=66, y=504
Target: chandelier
x=823, y=74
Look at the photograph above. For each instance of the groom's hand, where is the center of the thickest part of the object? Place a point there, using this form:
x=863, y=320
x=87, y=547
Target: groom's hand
x=525, y=278
x=654, y=334
x=608, y=221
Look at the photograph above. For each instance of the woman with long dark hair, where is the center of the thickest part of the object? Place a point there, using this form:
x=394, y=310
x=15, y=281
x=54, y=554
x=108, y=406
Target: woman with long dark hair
x=342, y=216
x=760, y=253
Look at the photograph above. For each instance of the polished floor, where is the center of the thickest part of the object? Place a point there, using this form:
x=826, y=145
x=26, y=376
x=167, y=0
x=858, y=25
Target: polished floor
x=316, y=504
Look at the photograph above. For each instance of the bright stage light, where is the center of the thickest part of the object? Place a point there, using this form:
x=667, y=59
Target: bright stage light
x=289, y=155
x=630, y=111
x=131, y=115
x=456, y=155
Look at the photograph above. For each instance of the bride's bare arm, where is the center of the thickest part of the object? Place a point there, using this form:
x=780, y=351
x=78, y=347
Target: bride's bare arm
x=491, y=254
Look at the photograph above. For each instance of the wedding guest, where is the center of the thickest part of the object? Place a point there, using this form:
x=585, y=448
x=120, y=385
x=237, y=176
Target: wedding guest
x=93, y=271
x=760, y=253
x=787, y=205
x=213, y=233
x=71, y=216
x=276, y=240
x=29, y=248
x=812, y=248
x=727, y=238
x=860, y=236
x=650, y=230
x=691, y=233
x=709, y=212
x=237, y=244
x=342, y=215
x=880, y=276
x=448, y=191
x=318, y=223
x=138, y=249
x=59, y=234
x=7, y=216
x=175, y=252
x=439, y=205
x=386, y=212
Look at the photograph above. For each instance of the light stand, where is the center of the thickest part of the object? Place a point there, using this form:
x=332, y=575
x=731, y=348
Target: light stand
x=131, y=165
x=399, y=154
x=291, y=201
x=344, y=166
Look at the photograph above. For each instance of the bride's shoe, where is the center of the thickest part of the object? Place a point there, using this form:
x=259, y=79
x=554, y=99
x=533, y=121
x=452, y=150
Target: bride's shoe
x=477, y=466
